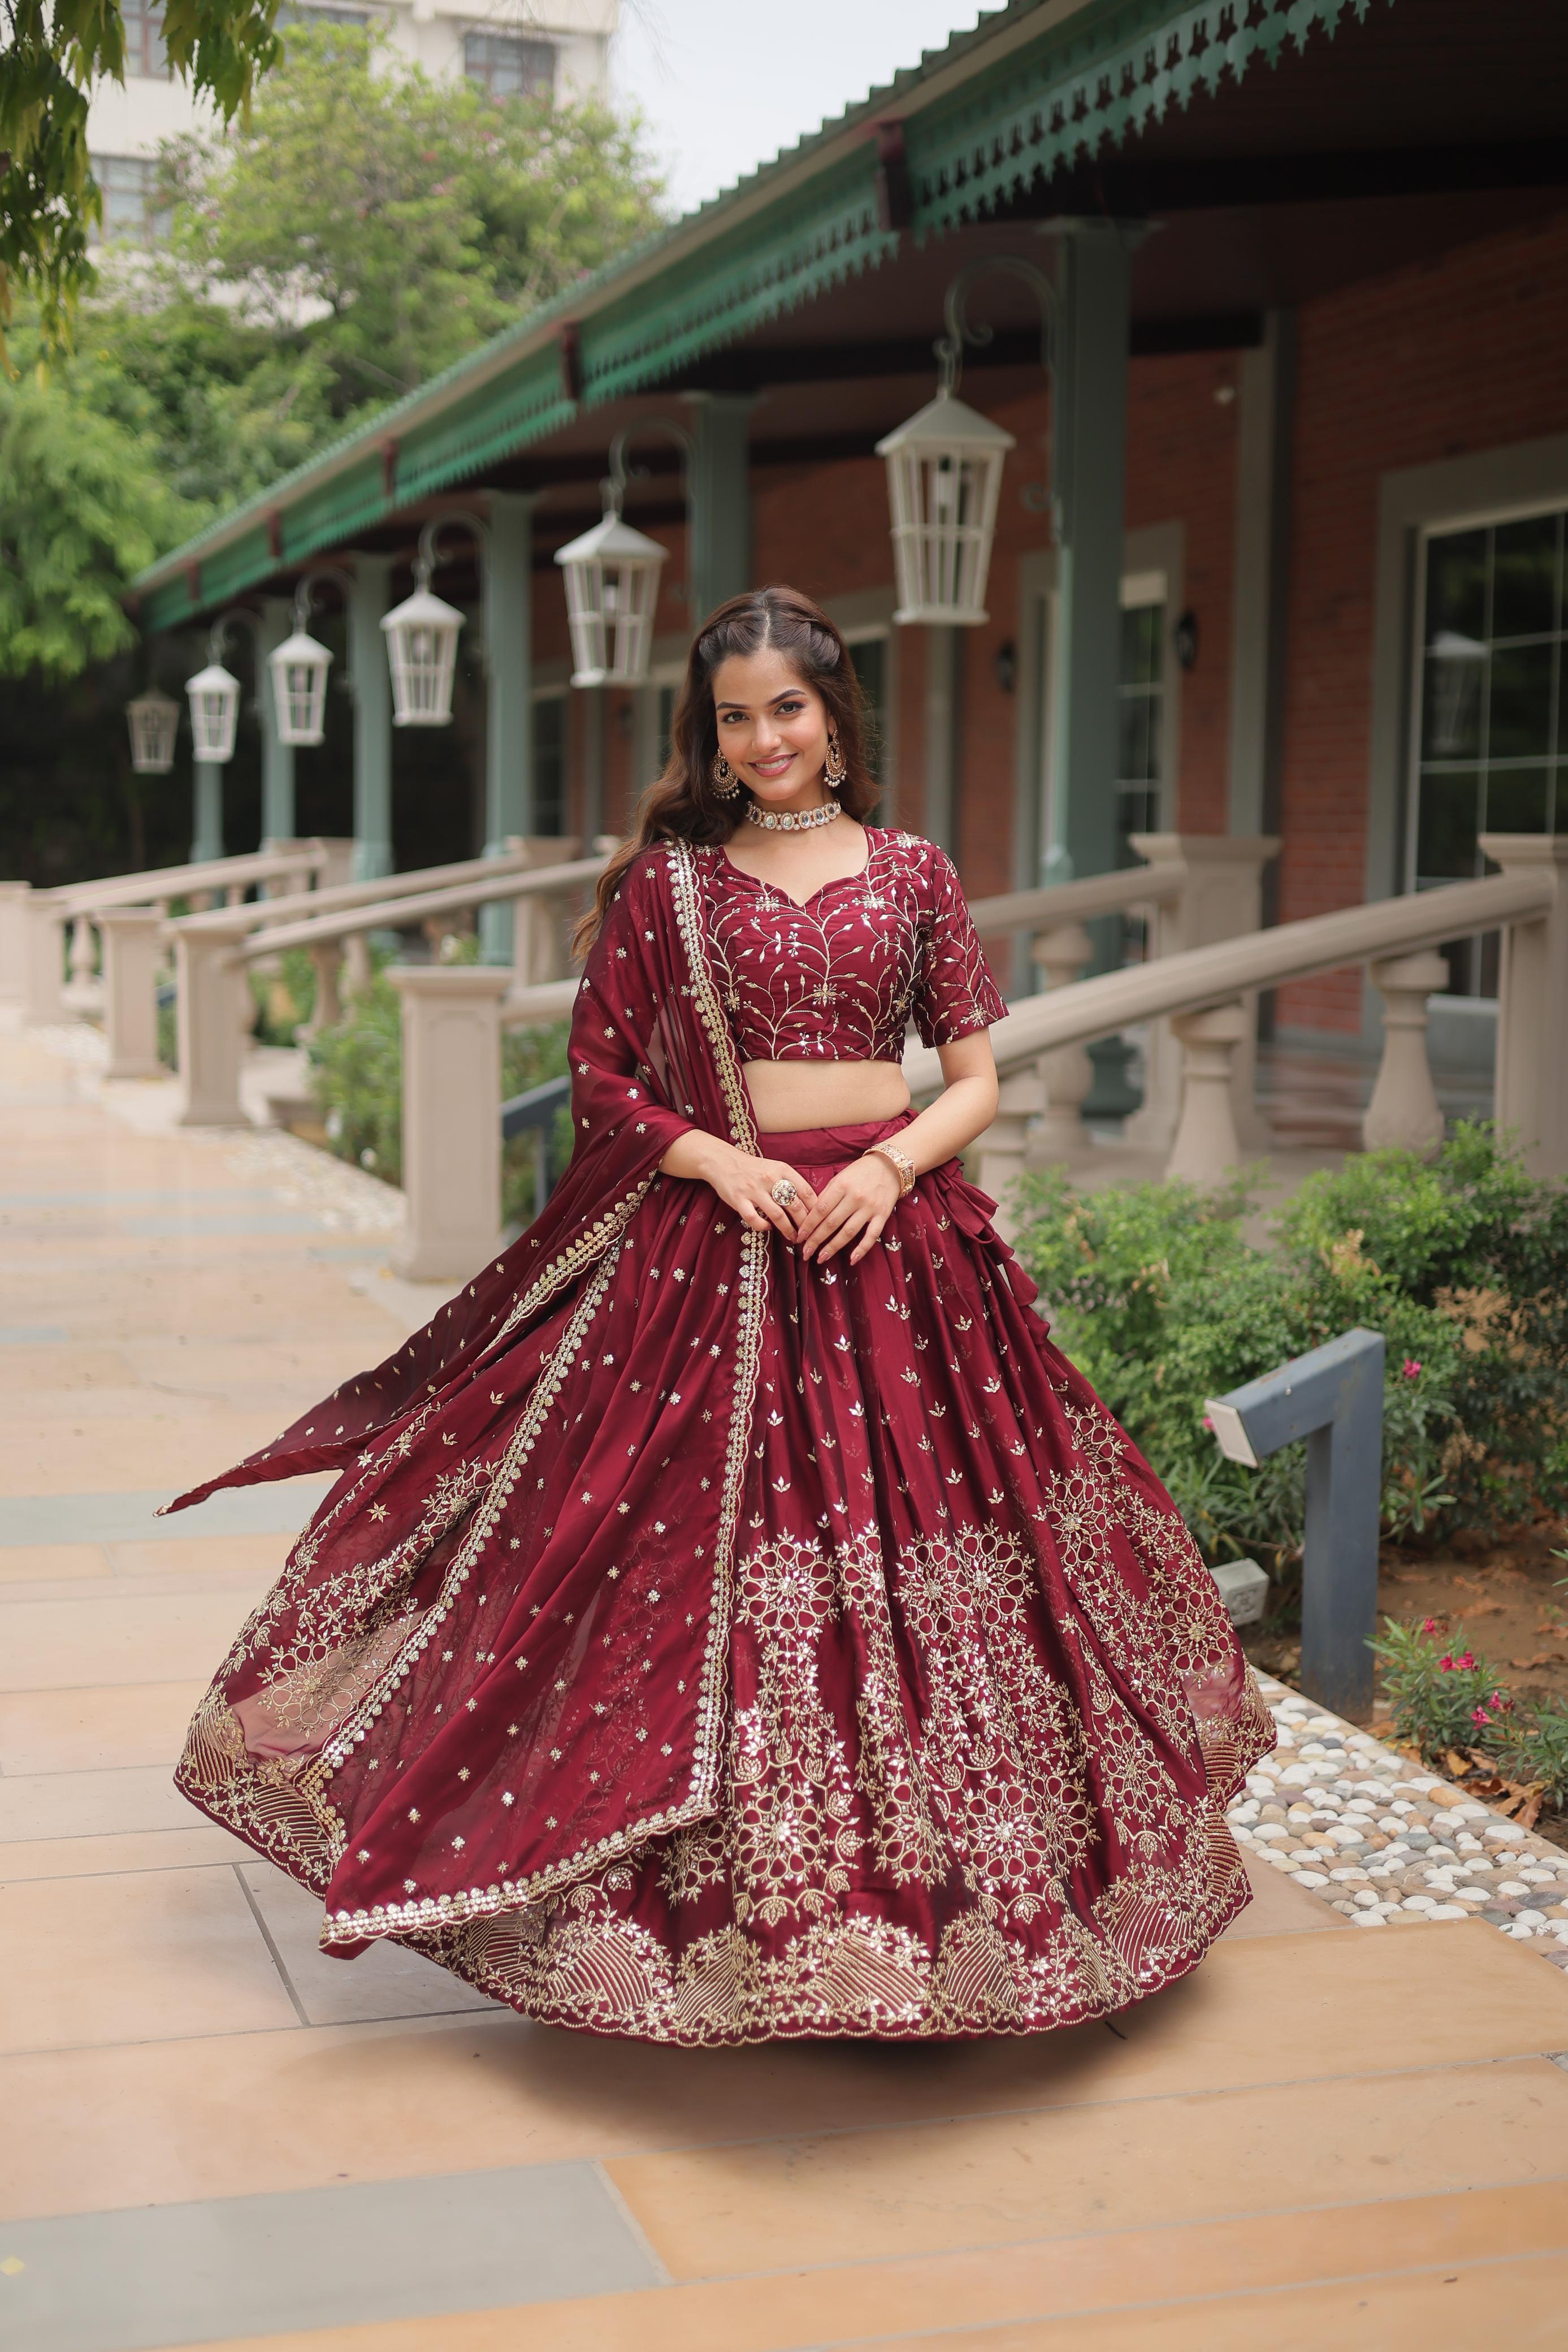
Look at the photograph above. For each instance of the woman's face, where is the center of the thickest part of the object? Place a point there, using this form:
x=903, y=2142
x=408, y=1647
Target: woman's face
x=772, y=728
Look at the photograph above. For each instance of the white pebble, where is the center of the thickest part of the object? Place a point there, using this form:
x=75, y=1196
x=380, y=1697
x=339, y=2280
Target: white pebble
x=1311, y=1878
x=1418, y=1903
x=1529, y=1918
x=1511, y=1886
x=1366, y=1919
x=1448, y=1911
x=1364, y=1898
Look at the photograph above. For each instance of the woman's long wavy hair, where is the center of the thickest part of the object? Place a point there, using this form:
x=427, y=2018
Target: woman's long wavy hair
x=684, y=805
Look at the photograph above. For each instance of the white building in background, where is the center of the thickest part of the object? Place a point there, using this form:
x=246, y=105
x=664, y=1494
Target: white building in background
x=507, y=46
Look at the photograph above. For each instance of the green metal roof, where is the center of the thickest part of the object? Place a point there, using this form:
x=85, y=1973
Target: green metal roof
x=1034, y=85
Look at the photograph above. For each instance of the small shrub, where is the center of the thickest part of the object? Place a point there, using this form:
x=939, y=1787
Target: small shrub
x=1445, y=1698
x=1531, y=1746
x=1460, y=1263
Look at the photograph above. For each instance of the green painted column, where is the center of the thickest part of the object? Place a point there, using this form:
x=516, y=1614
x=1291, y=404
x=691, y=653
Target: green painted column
x=508, y=697
x=1088, y=431
x=207, y=838
x=276, y=757
x=720, y=491
x=368, y=600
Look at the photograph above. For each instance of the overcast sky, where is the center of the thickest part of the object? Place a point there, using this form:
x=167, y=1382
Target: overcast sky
x=725, y=84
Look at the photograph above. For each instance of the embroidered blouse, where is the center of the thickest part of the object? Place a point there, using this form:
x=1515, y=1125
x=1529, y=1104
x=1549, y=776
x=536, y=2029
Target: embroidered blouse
x=839, y=978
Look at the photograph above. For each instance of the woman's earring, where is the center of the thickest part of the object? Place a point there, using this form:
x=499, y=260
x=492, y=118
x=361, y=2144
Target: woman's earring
x=833, y=768
x=726, y=783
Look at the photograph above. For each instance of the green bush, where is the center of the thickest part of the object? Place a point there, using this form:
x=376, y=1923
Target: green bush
x=356, y=1075
x=1461, y=1262
x=1447, y=1700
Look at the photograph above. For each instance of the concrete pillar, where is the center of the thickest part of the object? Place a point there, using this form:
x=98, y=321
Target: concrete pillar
x=1264, y=432
x=1533, y=1007
x=451, y=1116
x=1066, y=1074
x=944, y=677
x=44, y=1001
x=368, y=600
x=719, y=485
x=1222, y=899
x=13, y=898
x=276, y=757
x=210, y=992
x=508, y=699
x=132, y=956
x=207, y=834
x=1002, y=1152
x=1205, y=1143
x=1403, y=1108
x=1089, y=432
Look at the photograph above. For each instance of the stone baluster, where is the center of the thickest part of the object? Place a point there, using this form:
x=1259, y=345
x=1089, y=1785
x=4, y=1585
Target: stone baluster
x=451, y=1116
x=213, y=998
x=132, y=953
x=80, y=993
x=1001, y=1152
x=1206, y=1142
x=1066, y=1074
x=1531, y=1099
x=1404, y=1107
x=13, y=902
x=1222, y=898
x=233, y=894
x=327, y=1008
x=358, y=970
x=46, y=963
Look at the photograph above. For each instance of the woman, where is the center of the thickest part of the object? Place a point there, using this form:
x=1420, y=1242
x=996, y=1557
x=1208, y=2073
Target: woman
x=734, y=1618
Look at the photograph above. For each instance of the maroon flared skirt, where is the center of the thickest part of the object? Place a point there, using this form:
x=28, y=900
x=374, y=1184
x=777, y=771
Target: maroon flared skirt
x=985, y=1709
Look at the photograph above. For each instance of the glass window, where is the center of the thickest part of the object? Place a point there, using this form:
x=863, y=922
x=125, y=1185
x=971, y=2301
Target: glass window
x=508, y=66
x=549, y=765
x=308, y=14
x=1491, y=751
x=145, y=56
x=1141, y=695
x=132, y=214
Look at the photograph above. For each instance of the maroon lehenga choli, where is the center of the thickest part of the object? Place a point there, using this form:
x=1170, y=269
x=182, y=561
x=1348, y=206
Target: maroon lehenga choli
x=710, y=1646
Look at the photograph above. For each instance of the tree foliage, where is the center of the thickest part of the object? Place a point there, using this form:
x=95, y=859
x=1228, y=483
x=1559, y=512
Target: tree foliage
x=386, y=223
x=51, y=52
x=364, y=228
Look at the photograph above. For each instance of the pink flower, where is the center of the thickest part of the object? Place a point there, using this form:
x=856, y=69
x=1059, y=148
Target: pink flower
x=1410, y=1369
x=1429, y=1624
x=1479, y=1715
x=1444, y=1665
x=1206, y=1422
x=1464, y=1658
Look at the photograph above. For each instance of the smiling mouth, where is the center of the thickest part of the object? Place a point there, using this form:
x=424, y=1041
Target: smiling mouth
x=771, y=768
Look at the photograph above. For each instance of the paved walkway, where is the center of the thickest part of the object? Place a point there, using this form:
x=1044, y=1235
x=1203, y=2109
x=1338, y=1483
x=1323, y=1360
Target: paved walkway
x=213, y=2135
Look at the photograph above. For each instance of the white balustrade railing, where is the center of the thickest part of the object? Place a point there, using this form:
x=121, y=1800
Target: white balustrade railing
x=213, y=951
x=35, y=924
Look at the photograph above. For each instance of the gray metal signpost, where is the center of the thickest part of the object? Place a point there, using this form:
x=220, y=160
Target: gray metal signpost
x=1332, y=1398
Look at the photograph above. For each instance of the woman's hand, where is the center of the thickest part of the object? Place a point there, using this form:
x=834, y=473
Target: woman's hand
x=860, y=1201
x=744, y=1181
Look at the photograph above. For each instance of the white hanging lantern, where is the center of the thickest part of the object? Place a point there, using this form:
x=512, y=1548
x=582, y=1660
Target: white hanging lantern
x=943, y=479
x=1459, y=662
x=299, y=667
x=154, y=721
x=422, y=648
x=214, y=712
x=611, y=590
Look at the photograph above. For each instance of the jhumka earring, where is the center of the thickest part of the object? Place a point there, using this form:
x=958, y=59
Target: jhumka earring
x=833, y=768
x=726, y=783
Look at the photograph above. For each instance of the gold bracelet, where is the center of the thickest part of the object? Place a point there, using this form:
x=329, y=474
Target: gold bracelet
x=900, y=1160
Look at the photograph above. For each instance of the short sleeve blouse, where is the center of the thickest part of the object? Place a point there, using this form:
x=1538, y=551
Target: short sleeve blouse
x=840, y=977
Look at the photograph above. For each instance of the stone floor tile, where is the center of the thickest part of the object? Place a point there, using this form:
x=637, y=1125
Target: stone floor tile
x=171, y=1450
x=995, y=2180
x=181, y=1848
x=127, y=1638
x=198, y=1555
x=867, y=2302
x=1279, y=1908
x=27, y=1370
x=387, y=1982
x=119, y=2282
x=85, y=1804
x=95, y=1729
x=153, y=1956
x=48, y=1563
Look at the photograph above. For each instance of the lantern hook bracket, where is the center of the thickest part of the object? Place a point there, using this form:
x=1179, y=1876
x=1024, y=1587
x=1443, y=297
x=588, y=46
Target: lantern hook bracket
x=429, y=556
x=307, y=583
x=613, y=487
x=960, y=330
x=238, y=616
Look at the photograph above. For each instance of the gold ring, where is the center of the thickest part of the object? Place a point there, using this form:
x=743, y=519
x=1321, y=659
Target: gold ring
x=783, y=1192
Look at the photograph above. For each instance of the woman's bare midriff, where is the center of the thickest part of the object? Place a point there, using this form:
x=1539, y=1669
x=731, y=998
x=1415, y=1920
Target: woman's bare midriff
x=789, y=1095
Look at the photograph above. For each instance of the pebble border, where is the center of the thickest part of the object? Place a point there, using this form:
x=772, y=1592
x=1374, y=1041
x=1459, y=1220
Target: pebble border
x=1385, y=1843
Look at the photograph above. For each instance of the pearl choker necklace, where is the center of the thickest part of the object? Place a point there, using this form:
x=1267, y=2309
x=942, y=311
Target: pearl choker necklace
x=793, y=820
